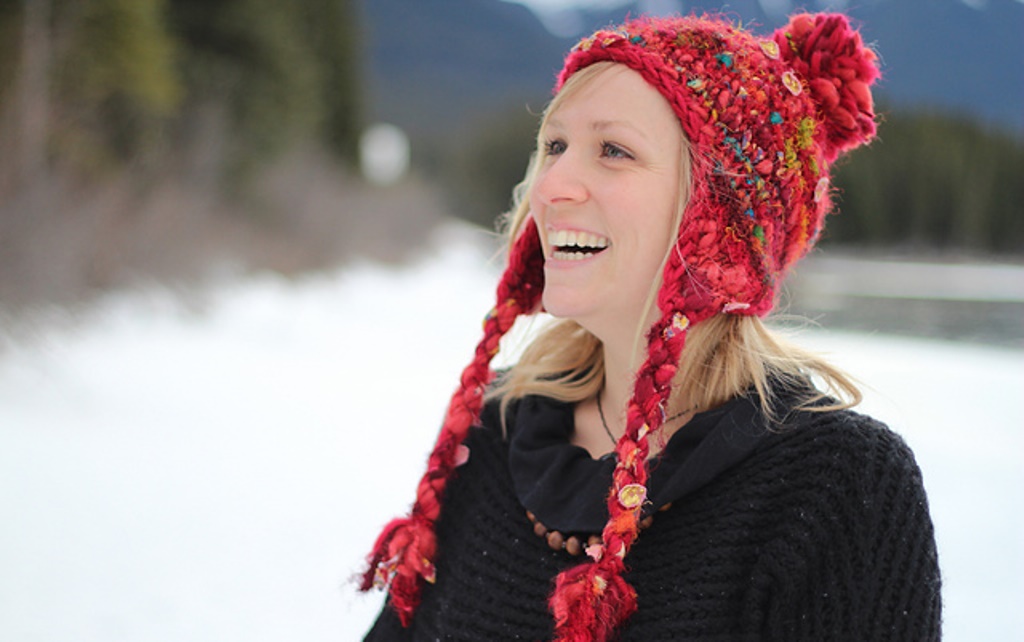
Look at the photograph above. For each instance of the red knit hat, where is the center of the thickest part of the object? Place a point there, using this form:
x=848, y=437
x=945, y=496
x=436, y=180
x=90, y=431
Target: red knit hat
x=765, y=119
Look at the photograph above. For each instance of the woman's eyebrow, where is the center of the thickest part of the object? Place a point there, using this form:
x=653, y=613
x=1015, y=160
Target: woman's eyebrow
x=601, y=126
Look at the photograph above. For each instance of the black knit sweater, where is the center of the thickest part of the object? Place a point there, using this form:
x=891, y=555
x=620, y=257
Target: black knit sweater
x=821, y=532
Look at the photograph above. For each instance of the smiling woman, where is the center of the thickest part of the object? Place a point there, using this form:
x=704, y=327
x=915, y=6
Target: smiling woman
x=658, y=426
x=607, y=172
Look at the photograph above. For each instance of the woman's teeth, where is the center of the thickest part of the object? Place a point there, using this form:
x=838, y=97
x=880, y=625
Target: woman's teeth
x=570, y=245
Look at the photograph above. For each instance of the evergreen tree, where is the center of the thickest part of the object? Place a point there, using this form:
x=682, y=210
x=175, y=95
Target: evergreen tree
x=130, y=79
x=115, y=77
x=330, y=28
x=249, y=56
x=933, y=181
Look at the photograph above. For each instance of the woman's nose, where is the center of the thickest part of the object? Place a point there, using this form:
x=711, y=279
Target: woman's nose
x=562, y=180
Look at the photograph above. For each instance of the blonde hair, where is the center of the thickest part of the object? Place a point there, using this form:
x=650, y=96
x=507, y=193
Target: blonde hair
x=725, y=356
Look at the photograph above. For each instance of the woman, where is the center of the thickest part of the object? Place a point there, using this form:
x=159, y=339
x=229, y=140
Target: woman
x=659, y=466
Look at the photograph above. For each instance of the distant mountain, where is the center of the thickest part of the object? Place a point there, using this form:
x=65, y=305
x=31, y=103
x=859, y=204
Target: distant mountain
x=435, y=65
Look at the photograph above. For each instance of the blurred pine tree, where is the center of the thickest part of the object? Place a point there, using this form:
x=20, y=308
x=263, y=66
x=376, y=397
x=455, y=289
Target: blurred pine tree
x=249, y=58
x=331, y=30
x=115, y=78
x=933, y=181
x=131, y=80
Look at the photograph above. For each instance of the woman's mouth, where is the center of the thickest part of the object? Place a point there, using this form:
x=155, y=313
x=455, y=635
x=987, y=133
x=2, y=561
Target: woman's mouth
x=572, y=245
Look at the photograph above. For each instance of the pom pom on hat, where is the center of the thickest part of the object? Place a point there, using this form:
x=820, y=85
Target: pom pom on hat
x=839, y=69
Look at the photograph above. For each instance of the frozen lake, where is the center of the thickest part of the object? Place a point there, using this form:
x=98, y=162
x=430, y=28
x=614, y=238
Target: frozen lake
x=218, y=471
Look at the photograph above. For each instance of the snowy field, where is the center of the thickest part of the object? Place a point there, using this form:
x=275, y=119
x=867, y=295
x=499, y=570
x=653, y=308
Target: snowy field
x=217, y=471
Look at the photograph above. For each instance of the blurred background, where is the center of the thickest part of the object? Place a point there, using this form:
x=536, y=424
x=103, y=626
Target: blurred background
x=166, y=140
x=230, y=231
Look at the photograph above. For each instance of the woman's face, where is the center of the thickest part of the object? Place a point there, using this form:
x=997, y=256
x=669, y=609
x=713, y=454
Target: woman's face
x=605, y=198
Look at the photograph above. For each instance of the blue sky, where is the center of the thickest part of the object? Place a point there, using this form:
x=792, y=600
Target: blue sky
x=769, y=5
x=559, y=18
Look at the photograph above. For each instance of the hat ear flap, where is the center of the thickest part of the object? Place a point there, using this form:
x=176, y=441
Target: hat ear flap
x=839, y=69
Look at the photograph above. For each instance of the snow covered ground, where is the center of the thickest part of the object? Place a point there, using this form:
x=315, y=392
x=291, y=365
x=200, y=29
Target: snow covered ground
x=218, y=471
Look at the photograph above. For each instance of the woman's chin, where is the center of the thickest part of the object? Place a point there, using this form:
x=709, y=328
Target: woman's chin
x=567, y=305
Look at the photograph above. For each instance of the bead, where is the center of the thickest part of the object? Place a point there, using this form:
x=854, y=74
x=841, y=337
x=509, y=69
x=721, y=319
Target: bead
x=820, y=190
x=584, y=45
x=555, y=540
x=429, y=572
x=665, y=507
x=647, y=521
x=679, y=324
x=539, y=529
x=573, y=546
x=770, y=49
x=792, y=83
x=632, y=495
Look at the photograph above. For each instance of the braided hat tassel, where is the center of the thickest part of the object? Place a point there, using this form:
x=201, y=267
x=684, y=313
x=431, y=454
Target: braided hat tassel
x=592, y=599
x=402, y=557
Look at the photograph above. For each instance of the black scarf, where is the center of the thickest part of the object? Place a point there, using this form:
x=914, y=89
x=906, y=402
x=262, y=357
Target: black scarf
x=567, y=489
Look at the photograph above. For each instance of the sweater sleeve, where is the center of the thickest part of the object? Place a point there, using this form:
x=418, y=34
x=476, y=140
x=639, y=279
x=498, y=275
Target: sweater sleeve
x=856, y=559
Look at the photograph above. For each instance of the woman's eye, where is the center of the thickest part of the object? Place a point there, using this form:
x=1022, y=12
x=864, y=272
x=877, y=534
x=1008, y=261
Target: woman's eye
x=554, y=147
x=611, y=150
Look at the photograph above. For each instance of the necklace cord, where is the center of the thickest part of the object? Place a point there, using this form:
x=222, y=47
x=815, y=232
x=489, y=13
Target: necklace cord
x=600, y=412
x=604, y=423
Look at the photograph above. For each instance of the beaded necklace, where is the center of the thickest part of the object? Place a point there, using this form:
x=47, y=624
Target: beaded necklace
x=574, y=544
